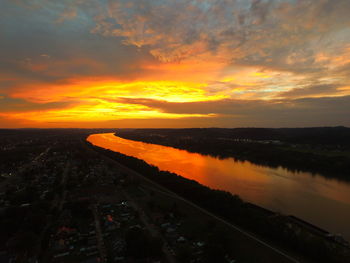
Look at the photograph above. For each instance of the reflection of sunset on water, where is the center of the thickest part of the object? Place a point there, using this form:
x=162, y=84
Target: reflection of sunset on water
x=301, y=194
x=206, y=170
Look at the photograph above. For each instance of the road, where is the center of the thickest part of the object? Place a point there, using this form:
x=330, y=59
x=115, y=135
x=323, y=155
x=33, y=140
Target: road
x=151, y=228
x=65, y=173
x=100, y=242
x=174, y=195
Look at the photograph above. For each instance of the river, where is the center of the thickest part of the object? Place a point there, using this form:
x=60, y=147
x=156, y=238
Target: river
x=316, y=199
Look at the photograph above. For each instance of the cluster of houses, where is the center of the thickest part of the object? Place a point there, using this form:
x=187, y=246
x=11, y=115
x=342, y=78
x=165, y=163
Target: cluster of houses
x=72, y=244
x=170, y=226
x=83, y=244
x=43, y=178
x=115, y=220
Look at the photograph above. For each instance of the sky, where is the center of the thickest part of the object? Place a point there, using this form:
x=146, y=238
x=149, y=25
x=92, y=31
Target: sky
x=174, y=63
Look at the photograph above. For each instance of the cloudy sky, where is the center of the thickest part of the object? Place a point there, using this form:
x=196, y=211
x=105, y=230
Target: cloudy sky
x=174, y=63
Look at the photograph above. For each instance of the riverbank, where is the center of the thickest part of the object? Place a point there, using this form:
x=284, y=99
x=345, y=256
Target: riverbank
x=277, y=228
x=309, y=150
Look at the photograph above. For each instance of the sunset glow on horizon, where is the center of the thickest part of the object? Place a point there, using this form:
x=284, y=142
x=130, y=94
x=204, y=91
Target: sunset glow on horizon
x=174, y=63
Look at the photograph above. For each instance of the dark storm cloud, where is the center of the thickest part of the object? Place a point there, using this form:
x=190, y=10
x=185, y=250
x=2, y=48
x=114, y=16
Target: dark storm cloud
x=306, y=111
x=310, y=91
x=20, y=105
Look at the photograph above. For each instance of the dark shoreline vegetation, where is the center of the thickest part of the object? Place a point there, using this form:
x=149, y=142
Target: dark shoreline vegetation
x=324, y=150
x=281, y=230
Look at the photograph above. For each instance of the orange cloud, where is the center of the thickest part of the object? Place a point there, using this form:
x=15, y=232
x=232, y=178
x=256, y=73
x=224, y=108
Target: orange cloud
x=88, y=60
x=97, y=111
x=97, y=100
x=87, y=88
